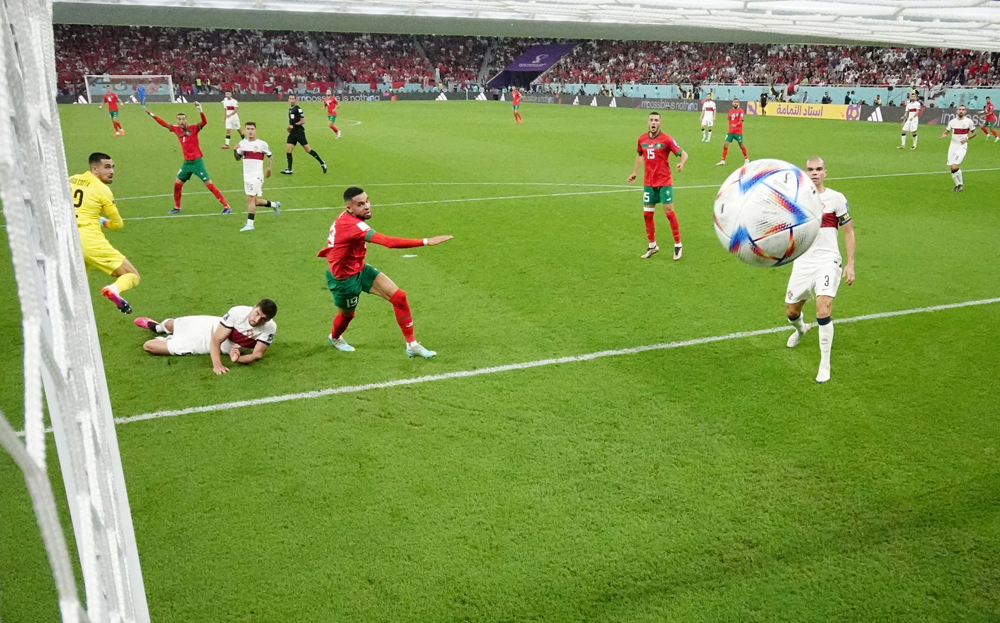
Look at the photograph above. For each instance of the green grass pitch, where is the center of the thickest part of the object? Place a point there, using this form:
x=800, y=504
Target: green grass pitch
x=712, y=482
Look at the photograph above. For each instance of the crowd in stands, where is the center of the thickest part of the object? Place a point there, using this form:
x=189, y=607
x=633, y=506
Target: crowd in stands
x=646, y=62
x=267, y=61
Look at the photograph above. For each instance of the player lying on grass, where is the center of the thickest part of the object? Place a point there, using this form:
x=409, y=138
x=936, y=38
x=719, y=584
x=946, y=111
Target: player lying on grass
x=348, y=275
x=817, y=272
x=95, y=208
x=193, y=164
x=244, y=332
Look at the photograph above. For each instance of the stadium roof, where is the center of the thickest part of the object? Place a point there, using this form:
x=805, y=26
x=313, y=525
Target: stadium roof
x=972, y=24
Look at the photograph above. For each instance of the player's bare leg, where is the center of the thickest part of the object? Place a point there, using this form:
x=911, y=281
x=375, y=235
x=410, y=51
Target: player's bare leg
x=252, y=202
x=384, y=287
x=315, y=155
x=824, y=306
x=126, y=278
x=156, y=346
x=793, y=311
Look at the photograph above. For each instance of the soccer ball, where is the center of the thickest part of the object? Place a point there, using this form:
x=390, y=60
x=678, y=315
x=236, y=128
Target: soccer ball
x=767, y=213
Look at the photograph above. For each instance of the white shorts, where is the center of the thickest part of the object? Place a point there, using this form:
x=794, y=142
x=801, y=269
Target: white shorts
x=807, y=282
x=253, y=186
x=192, y=335
x=233, y=123
x=707, y=122
x=911, y=125
x=956, y=153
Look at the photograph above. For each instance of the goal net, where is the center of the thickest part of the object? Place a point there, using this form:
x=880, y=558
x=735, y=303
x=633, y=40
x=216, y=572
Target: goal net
x=130, y=89
x=63, y=369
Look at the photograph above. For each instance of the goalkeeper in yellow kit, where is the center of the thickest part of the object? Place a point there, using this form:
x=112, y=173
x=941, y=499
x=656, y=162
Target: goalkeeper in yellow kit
x=95, y=208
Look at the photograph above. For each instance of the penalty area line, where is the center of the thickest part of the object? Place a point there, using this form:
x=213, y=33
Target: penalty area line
x=352, y=389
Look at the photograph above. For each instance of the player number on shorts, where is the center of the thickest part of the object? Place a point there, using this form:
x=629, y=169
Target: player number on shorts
x=77, y=198
x=352, y=302
x=650, y=153
x=826, y=280
x=645, y=198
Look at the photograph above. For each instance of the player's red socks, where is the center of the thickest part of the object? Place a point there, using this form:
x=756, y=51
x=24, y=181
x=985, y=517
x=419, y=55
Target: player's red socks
x=340, y=322
x=217, y=193
x=675, y=227
x=334, y=128
x=118, y=126
x=403, y=316
x=177, y=194
x=725, y=150
x=744, y=150
x=517, y=117
x=650, y=225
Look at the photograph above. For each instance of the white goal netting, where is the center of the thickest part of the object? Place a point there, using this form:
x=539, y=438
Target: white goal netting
x=130, y=89
x=63, y=370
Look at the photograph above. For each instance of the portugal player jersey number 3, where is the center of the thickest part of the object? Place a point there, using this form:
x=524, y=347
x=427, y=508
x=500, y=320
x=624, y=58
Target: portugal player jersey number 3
x=655, y=151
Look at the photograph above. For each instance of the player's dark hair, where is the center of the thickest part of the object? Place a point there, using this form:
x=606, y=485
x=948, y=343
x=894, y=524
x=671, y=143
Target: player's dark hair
x=96, y=157
x=268, y=307
x=251, y=123
x=352, y=192
x=654, y=113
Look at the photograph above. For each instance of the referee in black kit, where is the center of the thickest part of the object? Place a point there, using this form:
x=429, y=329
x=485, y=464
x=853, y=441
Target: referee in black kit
x=297, y=135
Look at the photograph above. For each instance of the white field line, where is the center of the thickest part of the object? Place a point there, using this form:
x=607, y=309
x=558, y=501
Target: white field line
x=353, y=389
x=851, y=177
x=404, y=203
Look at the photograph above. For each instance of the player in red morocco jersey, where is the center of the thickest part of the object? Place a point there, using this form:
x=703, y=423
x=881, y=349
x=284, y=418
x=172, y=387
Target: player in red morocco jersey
x=193, y=163
x=515, y=96
x=817, y=272
x=111, y=100
x=331, y=104
x=990, y=125
x=349, y=275
x=244, y=333
x=735, y=116
x=653, y=151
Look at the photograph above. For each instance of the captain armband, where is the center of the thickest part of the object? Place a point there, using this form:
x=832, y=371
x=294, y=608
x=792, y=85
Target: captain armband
x=843, y=220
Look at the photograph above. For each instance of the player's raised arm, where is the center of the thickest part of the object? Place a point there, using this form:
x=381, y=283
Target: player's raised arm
x=204, y=119
x=220, y=335
x=157, y=119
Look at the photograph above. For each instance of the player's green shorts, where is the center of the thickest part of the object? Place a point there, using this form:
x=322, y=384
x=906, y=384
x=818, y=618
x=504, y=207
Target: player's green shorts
x=734, y=137
x=346, y=291
x=332, y=118
x=992, y=124
x=193, y=167
x=652, y=195
x=515, y=107
x=113, y=113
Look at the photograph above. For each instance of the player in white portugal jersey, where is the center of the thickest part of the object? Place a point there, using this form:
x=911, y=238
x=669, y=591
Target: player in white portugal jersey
x=817, y=272
x=253, y=151
x=911, y=119
x=232, y=108
x=244, y=333
x=707, y=118
x=962, y=128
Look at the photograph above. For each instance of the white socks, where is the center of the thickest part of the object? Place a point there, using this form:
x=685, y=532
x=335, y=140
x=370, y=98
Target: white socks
x=914, y=140
x=957, y=176
x=799, y=325
x=904, y=140
x=227, y=141
x=825, y=342
x=162, y=327
x=652, y=245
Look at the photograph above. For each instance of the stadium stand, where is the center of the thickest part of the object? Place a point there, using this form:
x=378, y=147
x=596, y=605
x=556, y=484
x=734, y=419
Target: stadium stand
x=250, y=61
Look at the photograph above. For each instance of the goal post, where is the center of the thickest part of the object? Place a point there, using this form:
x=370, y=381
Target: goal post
x=155, y=88
x=63, y=368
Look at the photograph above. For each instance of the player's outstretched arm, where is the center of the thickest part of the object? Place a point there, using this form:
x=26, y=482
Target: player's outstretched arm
x=215, y=348
x=256, y=355
x=851, y=244
x=157, y=119
x=406, y=243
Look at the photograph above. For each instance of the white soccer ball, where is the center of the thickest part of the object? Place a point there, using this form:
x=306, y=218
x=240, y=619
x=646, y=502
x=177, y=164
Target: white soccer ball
x=767, y=213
